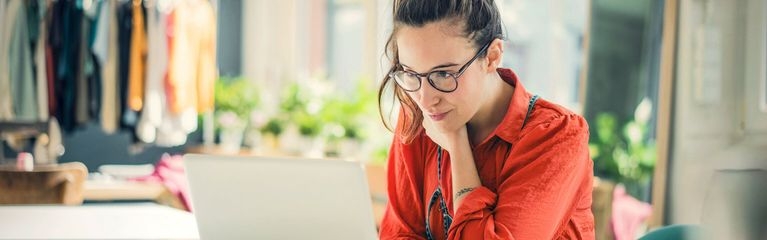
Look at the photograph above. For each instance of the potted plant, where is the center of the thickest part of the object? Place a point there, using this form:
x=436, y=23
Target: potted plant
x=625, y=154
x=348, y=118
x=301, y=126
x=235, y=99
x=271, y=132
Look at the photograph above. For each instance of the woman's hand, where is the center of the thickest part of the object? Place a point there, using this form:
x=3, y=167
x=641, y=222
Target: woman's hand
x=450, y=140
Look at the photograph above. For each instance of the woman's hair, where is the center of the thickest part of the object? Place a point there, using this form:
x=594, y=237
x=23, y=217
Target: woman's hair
x=480, y=21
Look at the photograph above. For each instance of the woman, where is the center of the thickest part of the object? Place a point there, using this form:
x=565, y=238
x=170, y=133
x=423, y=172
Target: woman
x=476, y=156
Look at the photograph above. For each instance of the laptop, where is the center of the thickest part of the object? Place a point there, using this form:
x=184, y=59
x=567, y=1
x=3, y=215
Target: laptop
x=279, y=198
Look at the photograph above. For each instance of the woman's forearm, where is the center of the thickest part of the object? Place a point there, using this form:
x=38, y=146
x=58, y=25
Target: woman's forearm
x=463, y=171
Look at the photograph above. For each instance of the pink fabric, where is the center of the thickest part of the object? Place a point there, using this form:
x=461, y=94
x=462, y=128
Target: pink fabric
x=170, y=172
x=628, y=214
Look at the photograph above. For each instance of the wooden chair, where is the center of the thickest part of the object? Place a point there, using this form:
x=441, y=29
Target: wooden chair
x=46, y=184
x=601, y=206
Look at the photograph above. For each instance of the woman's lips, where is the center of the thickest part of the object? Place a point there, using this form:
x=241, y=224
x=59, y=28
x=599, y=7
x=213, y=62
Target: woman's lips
x=438, y=117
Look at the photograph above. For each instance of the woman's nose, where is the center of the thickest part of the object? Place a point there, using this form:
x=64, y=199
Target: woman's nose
x=427, y=94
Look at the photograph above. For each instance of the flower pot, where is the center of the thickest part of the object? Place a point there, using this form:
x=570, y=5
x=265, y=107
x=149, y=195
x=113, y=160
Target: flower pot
x=349, y=149
x=312, y=147
x=231, y=140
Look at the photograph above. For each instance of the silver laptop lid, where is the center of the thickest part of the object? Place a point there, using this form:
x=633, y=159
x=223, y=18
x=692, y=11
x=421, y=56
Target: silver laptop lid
x=279, y=198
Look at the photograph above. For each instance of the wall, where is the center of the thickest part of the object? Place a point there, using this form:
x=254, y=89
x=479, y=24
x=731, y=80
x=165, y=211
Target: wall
x=229, y=37
x=721, y=128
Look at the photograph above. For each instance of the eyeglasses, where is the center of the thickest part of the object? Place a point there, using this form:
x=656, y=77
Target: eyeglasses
x=438, y=196
x=441, y=80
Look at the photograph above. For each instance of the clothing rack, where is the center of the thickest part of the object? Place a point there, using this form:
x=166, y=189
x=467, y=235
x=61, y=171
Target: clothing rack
x=110, y=62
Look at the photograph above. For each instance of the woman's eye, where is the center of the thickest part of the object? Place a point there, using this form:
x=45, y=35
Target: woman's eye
x=441, y=74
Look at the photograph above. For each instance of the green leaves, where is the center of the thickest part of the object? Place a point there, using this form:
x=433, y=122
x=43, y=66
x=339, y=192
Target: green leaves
x=351, y=112
x=274, y=126
x=237, y=95
x=626, y=154
x=337, y=115
x=606, y=125
x=234, y=100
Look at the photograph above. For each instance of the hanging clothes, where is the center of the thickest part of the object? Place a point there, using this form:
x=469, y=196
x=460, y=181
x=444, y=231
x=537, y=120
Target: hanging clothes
x=92, y=66
x=128, y=117
x=138, y=54
x=20, y=71
x=81, y=74
x=33, y=12
x=125, y=63
x=41, y=73
x=192, y=71
x=101, y=37
x=174, y=126
x=88, y=77
x=50, y=74
x=65, y=42
x=6, y=101
x=107, y=54
x=157, y=64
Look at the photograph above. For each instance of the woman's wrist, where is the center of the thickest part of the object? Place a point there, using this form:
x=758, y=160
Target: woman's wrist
x=464, y=171
x=463, y=191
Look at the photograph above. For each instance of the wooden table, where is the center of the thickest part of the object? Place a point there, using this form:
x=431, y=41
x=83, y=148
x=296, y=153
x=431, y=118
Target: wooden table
x=119, y=191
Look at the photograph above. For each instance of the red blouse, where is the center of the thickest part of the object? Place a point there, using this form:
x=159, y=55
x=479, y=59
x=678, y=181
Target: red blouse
x=536, y=180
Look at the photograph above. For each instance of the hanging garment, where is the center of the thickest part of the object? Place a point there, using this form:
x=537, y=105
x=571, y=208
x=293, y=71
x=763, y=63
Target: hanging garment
x=128, y=117
x=7, y=17
x=20, y=71
x=50, y=73
x=101, y=42
x=41, y=78
x=93, y=67
x=138, y=54
x=82, y=72
x=192, y=70
x=3, y=3
x=174, y=127
x=107, y=53
x=157, y=65
x=33, y=22
x=65, y=43
x=94, y=88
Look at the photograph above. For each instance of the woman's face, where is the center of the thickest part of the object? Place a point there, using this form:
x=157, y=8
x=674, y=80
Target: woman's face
x=439, y=46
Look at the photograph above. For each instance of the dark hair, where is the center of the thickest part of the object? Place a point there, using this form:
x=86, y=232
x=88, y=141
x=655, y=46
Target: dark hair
x=481, y=22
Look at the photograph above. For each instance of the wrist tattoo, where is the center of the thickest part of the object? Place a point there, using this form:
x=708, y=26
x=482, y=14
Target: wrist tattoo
x=463, y=191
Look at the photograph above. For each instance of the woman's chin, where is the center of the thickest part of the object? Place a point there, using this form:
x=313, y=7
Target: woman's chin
x=446, y=126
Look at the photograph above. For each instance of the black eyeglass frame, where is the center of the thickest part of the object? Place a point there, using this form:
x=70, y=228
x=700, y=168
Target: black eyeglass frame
x=429, y=75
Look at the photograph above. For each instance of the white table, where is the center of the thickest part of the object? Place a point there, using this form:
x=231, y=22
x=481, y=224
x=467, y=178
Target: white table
x=96, y=221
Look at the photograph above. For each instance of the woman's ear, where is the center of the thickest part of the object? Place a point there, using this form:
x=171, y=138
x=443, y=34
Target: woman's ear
x=494, y=55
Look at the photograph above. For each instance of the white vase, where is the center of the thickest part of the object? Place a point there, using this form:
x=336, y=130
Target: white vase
x=313, y=147
x=349, y=149
x=231, y=139
x=290, y=141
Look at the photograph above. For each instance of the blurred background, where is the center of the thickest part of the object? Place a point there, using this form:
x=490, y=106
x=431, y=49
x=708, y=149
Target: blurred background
x=674, y=91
